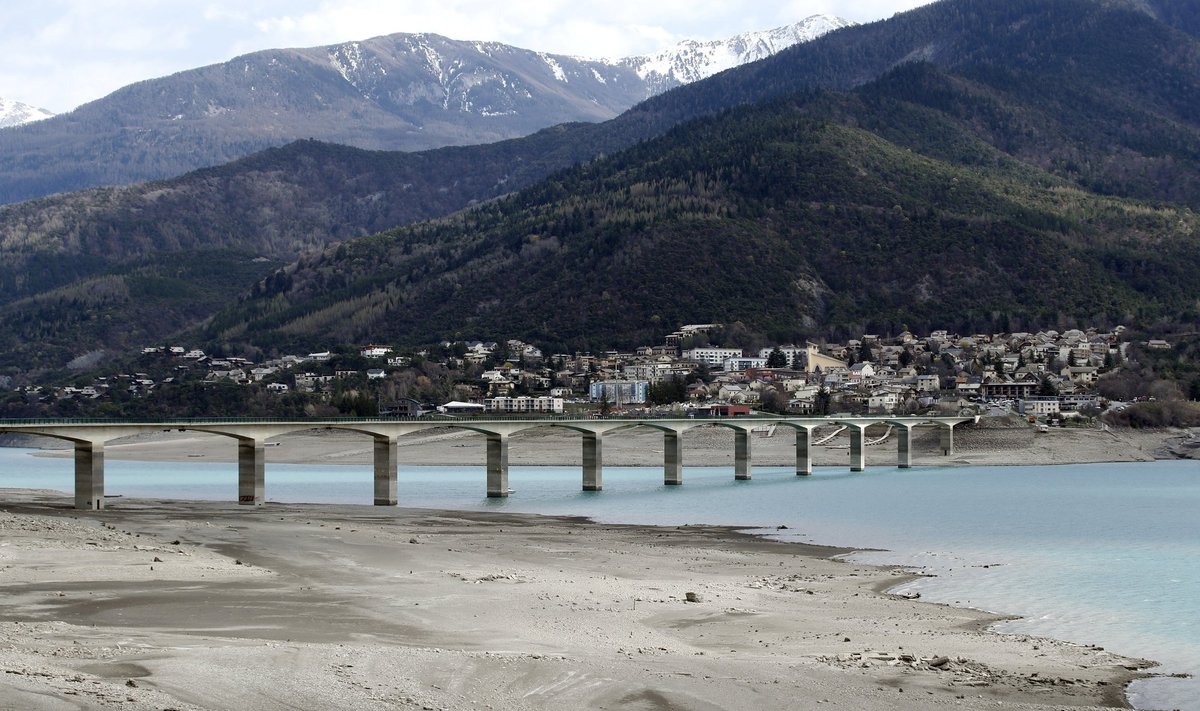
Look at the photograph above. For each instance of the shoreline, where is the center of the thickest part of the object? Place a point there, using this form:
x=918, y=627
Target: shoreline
x=762, y=628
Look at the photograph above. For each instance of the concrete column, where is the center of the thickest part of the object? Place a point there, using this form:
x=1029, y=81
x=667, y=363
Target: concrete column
x=89, y=475
x=251, y=472
x=804, y=463
x=741, y=455
x=672, y=458
x=497, y=466
x=904, y=446
x=947, y=440
x=858, y=453
x=593, y=462
x=386, y=461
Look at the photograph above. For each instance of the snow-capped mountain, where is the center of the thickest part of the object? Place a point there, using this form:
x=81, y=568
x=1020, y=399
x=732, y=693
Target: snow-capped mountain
x=691, y=61
x=15, y=113
x=405, y=92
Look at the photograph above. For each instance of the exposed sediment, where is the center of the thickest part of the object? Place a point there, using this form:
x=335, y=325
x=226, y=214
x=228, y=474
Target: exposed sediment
x=150, y=605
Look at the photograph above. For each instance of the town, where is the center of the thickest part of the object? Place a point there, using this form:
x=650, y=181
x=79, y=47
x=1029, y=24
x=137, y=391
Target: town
x=1047, y=377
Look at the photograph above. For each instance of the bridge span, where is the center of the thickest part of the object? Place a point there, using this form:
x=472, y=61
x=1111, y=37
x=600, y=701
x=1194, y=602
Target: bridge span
x=90, y=436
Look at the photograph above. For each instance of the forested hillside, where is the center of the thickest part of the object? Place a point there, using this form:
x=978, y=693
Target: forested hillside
x=121, y=310
x=776, y=216
x=276, y=203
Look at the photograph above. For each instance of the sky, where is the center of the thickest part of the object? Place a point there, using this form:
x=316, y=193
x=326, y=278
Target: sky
x=62, y=53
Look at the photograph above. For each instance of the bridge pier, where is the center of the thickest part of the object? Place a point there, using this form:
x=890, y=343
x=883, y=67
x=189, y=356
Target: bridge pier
x=947, y=440
x=497, y=466
x=386, y=462
x=858, y=450
x=804, y=464
x=251, y=471
x=672, y=458
x=904, y=446
x=741, y=455
x=89, y=475
x=593, y=462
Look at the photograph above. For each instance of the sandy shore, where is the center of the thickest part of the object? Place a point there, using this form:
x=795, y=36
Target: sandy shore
x=1001, y=443
x=154, y=604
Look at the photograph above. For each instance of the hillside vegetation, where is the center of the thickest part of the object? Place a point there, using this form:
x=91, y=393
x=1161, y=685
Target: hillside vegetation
x=122, y=310
x=277, y=203
x=769, y=215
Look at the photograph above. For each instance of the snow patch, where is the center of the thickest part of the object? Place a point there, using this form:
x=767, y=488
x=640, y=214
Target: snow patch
x=16, y=113
x=345, y=59
x=555, y=67
x=691, y=61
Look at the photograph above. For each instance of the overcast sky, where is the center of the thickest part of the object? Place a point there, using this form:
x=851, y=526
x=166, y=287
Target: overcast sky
x=62, y=53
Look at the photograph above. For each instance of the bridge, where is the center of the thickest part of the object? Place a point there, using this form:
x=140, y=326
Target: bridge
x=90, y=436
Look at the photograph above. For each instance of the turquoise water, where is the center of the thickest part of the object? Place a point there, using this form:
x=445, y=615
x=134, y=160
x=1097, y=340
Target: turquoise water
x=1105, y=554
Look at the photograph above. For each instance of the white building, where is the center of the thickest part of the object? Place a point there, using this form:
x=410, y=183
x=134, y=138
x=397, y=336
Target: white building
x=260, y=373
x=791, y=351
x=456, y=407
x=1039, y=406
x=883, y=401
x=712, y=356
x=524, y=404
x=860, y=373
x=651, y=371
x=929, y=383
x=739, y=363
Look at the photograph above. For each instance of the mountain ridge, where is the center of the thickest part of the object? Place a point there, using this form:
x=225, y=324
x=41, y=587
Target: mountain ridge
x=667, y=68
x=396, y=92
x=17, y=113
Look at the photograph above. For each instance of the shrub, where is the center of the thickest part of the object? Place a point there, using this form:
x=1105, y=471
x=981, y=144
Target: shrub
x=1171, y=413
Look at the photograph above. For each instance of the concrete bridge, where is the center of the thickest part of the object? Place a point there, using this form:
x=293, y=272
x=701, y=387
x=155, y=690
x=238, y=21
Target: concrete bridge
x=90, y=436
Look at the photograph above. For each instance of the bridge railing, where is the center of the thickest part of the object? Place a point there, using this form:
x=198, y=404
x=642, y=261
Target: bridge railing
x=439, y=417
x=317, y=422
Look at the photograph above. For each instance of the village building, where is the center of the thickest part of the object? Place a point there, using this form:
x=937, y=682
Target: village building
x=619, y=392
x=524, y=405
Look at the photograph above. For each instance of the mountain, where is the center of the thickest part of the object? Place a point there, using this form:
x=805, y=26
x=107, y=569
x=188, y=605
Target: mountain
x=1012, y=167
x=397, y=92
x=1087, y=132
x=1118, y=117
x=691, y=61
x=776, y=216
x=15, y=113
